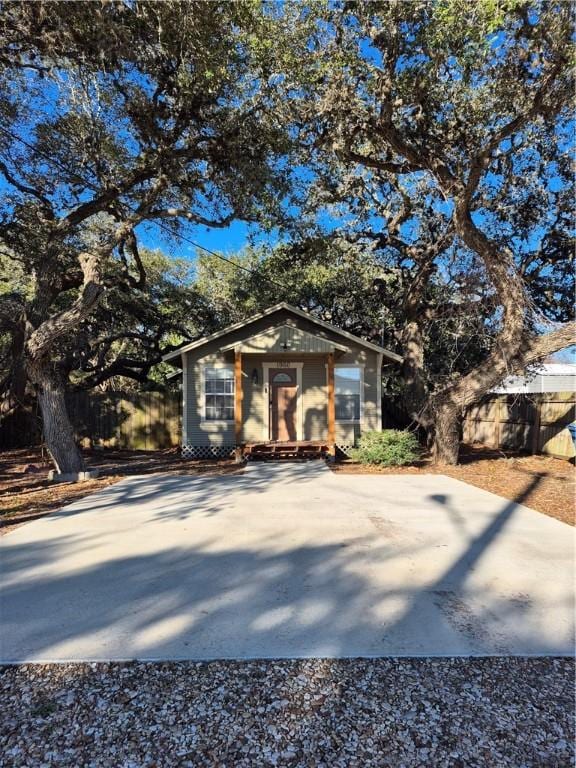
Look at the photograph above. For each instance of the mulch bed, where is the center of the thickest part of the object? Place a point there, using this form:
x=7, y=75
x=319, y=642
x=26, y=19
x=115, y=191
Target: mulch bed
x=543, y=483
x=313, y=713
x=25, y=493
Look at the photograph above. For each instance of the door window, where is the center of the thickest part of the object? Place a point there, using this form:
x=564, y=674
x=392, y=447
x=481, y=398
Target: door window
x=282, y=378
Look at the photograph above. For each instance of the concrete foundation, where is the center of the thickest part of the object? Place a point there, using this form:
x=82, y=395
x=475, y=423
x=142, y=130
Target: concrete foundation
x=72, y=477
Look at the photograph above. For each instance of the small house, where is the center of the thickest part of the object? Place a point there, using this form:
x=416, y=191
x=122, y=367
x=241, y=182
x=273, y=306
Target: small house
x=283, y=378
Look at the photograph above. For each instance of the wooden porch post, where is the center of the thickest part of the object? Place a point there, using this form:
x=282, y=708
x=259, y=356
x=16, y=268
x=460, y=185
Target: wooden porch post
x=238, y=403
x=331, y=406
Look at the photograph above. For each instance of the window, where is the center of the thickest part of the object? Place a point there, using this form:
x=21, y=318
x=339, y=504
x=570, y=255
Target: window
x=347, y=393
x=219, y=394
x=282, y=378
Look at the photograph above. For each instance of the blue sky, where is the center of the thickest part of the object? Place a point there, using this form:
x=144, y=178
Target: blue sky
x=226, y=241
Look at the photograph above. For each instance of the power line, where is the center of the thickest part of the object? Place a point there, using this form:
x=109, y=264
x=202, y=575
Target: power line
x=160, y=225
x=222, y=258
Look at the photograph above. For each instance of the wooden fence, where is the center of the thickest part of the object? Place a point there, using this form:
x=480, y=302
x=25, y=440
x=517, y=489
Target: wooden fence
x=535, y=423
x=152, y=421
x=148, y=421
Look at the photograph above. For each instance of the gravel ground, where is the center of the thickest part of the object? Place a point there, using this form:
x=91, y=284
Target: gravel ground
x=312, y=713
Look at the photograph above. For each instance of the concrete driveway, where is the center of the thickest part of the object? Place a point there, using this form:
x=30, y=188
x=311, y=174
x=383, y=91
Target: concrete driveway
x=286, y=561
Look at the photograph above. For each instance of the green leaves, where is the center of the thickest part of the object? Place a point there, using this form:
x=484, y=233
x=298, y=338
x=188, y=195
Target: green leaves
x=454, y=20
x=388, y=448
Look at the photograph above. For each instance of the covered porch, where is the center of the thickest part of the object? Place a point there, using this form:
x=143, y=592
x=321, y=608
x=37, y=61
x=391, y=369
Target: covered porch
x=274, y=362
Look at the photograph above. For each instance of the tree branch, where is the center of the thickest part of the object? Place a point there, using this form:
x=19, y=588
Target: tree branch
x=469, y=389
x=43, y=337
x=482, y=159
x=181, y=213
x=380, y=165
x=132, y=244
x=25, y=189
x=103, y=200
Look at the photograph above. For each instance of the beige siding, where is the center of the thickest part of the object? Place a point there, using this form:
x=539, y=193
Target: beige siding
x=197, y=431
x=255, y=401
x=372, y=418
x=347, y=434
x=315, y=396
x=279, y=339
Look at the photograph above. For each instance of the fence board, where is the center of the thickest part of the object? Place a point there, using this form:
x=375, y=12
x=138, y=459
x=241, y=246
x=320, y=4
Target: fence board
x=152, y=421
x=554, y=442
x=147, y=421
x=535, y=423
x=560, y=413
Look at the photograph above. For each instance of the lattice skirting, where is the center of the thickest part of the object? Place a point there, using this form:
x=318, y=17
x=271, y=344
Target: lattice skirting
x=227, y=451
x=208, y=451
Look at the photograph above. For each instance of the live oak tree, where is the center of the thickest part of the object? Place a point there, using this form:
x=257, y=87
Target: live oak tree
x=120, y=346
x=113, y=115
x=442, y=130
x=362, y=286
x=437, y=136
x=328, y=277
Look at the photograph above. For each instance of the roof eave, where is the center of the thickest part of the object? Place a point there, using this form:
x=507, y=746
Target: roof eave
x=271, y=310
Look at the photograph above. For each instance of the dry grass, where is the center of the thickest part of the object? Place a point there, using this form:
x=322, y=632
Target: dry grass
x=25, y=493
x=540, y=482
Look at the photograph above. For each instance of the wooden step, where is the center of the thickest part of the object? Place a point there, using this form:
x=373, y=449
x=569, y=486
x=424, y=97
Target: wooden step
x=280, y=451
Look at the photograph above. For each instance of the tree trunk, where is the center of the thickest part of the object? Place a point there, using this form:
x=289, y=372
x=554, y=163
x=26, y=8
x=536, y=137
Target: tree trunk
x=414, y=394
x=58, y=432
x=43, y=370
x=446, y=444
x=445, y=407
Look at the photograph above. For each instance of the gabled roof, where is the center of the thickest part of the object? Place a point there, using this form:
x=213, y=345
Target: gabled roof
x=273, y=340
x=270, y=311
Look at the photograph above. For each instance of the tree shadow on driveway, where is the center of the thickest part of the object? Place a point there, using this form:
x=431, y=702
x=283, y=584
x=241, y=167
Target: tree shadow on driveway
x=273, y=596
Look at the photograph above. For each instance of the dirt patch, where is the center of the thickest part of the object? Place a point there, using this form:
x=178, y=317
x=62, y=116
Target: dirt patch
x=26, y=494
x=460, y=615
x=543, y=483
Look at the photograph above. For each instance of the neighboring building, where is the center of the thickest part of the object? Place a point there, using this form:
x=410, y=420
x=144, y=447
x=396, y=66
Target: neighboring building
x=281, y=376
x=548, y=377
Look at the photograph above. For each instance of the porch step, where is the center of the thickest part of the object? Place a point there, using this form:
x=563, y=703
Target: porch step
x=285, y=451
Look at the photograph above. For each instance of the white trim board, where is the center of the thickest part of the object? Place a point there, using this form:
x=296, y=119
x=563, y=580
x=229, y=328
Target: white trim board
x=203, y=367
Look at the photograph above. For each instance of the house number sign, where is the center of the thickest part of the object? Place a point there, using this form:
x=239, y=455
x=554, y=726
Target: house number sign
x=283, y=364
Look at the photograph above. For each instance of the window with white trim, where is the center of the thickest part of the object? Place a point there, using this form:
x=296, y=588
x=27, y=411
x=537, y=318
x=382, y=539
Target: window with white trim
x=219, y=394
x=347, y=393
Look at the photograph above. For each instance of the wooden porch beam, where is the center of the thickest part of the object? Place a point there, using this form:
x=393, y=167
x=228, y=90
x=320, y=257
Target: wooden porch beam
x=238, y=396
x=331, y=407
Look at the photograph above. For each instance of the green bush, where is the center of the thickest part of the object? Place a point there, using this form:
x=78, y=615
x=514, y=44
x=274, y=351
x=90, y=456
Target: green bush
x=390, y=448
